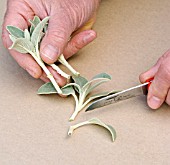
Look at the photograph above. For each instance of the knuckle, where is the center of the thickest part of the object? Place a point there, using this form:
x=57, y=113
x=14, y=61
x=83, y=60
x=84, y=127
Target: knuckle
x=57, y=35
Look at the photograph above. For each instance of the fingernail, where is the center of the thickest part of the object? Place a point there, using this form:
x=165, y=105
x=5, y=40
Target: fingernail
x=50, y=52
x=88, y=37
x=154, y=102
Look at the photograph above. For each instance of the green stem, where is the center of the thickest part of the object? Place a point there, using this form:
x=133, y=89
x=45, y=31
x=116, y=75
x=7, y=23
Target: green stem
x=79, y=107
x=63, y=61
x=55, y=67
x=72, y=128
x=49, y=75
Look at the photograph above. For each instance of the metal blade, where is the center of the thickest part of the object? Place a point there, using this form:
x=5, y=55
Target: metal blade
x=123, y=95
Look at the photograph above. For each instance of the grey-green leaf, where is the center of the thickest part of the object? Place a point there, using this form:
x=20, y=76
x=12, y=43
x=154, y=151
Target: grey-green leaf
x=48, y=88
x=16, y=32
x=27, y=34
x=101, y=78
x=97, y=122
x=36, y=20
x=37, y=33
x=102, y=75
x=22, y=45
x=12, y=38
x=81, y=81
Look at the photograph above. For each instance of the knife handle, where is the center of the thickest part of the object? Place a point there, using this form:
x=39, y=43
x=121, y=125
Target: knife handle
x=150, y=82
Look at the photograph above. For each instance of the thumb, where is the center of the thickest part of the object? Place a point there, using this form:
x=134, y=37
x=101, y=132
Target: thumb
x=58, y=34
x=159, y=88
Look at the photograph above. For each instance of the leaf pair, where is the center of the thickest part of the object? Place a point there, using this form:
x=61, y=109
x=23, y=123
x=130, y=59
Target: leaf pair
x=80, y=89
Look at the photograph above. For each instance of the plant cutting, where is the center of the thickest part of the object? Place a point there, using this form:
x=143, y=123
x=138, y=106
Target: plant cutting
x=82, y=88
x=28, y=41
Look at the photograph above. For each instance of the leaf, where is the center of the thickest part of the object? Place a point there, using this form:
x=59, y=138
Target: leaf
x=37, y=33
x=12, y=38
x=95, y=121
x=22, y=45
x=79, y=80
x=76, y=86
x=27, y=34
x=15, y=32
x=48, y=88
x=36, y=20
x=102, y=77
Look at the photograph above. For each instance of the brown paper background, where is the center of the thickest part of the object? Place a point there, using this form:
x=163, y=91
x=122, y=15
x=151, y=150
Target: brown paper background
x=132, y=35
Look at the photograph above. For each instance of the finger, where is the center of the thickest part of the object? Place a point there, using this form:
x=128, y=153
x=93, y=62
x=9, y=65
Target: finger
x=168, y=98
x=151, y=72
x=160, y=86
x=78, y=42
x=61, y=81
x=87, y=26
x=44, y=77
x=27, y=62
x=58, y=34
x=15, y=11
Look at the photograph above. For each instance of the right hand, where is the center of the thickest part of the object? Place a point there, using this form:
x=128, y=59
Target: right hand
x=68, y=18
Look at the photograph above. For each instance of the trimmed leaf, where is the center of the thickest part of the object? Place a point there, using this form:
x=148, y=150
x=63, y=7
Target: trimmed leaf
x=48, y=88
x=63, y=61
x=15, y=32
x=37, y=33
x=95, y=121
x=22, y=45
x=27, y=34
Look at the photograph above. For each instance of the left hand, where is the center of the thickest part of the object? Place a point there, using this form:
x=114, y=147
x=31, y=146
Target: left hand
x=159, y=91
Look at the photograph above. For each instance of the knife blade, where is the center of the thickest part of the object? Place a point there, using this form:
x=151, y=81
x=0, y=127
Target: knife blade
x=120, y=96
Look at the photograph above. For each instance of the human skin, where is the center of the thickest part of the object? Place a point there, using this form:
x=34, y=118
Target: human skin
x=68, y=19
x=159, y=91
x=73, y=18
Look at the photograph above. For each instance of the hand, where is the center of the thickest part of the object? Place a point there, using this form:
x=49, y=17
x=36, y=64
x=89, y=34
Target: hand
x=159, y=90
x=69, y=30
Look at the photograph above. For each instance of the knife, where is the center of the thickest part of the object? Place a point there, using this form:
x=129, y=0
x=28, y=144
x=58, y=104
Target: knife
x=138, y=90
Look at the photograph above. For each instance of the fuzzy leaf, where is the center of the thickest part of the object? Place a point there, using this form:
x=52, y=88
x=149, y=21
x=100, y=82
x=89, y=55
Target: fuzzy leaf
x=15, y=32
x=101, y=76
x=27, y=34
x=22, y=45
x=95, y=121
x=79, y=80
x=48, y=88
x=91, y=87
x=37, y=33
x=36, y=20
x=12, y=38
